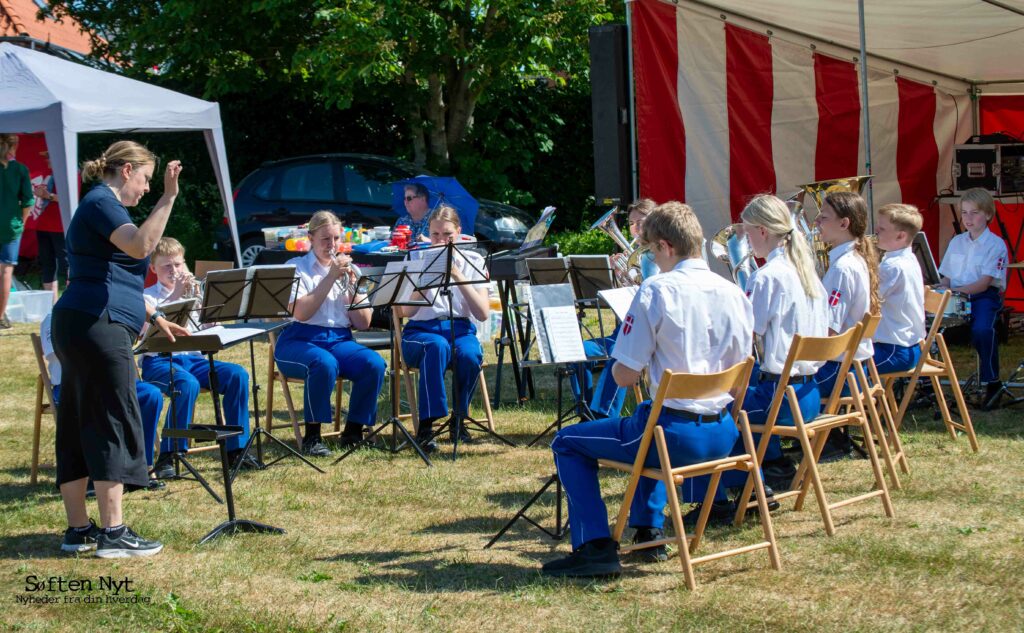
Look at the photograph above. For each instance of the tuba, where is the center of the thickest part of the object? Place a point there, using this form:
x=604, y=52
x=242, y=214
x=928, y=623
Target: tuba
x=628, y=272
x=818, y=190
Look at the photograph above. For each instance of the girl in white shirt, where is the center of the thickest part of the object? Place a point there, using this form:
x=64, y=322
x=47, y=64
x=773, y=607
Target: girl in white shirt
x=318, y=347
x=427, y=337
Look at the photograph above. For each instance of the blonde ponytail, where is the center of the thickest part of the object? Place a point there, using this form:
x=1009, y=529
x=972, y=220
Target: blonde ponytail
x=773, y=215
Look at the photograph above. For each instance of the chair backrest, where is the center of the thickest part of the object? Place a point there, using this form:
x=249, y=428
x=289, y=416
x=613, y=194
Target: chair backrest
x=677, y=384
x=44, y=371
x=204, y=266
x=935, y=304
x=870, y=323
x=826, y=348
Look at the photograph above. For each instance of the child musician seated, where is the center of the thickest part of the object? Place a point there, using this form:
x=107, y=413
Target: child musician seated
x=318, y=347
x=427, y=337
x=150, y=398
x=191, y=369
x=686, y=319
x=901, y=287
x=975, y=265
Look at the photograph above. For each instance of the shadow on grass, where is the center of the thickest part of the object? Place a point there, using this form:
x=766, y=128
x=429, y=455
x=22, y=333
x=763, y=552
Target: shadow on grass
x=33, y=545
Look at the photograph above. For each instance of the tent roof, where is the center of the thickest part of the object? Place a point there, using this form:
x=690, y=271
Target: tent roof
x=91, y=100
x=976, y=41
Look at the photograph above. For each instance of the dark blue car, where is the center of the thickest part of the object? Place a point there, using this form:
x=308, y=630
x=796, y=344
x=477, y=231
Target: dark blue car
x=356, y=187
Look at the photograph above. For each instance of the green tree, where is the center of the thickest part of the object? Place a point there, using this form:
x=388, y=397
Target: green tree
x=431, y=61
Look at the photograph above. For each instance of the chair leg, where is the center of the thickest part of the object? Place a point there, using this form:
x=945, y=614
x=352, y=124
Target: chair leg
x=338, y=388
x=291, y=410
x=487, y=401
x=958, y=394
x=811, y=461
x=410, y=391
x=754, y=473
x=875, y=420
x=268, y=416
x=940, y=398
x=37, y=424
x=876, y=467
x=677, y=524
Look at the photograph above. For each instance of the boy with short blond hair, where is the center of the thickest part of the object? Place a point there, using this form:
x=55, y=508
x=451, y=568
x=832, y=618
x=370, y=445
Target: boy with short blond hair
x=191, y=369
x=901, y=288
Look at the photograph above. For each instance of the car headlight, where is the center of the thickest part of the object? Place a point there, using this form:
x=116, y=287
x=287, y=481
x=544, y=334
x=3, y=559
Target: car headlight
x=509, y=224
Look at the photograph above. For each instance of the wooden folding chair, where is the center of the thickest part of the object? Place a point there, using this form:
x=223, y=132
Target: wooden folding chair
x=935, y=368
x=43, y=388
x=876, y=404
x=682, y=385
x=274, y=376
x=407, y=372
x=812, y=434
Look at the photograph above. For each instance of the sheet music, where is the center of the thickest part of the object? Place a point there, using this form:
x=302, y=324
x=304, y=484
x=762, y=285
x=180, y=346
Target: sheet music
x=229, y=335
x=619, y=299
x=541, y=297
x=563, y=333
x=389, y=291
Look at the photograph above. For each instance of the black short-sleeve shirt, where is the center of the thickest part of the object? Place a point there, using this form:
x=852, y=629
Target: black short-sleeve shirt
x=102, y=277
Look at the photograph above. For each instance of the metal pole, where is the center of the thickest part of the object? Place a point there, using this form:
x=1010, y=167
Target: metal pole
x=866, y=110
x=632, y=106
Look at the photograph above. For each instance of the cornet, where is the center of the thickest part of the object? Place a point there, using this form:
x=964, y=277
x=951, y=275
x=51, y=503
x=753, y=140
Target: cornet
x=628, y=270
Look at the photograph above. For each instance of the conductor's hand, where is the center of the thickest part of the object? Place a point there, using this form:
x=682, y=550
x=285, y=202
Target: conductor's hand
x=171, y=178
x=171, y=330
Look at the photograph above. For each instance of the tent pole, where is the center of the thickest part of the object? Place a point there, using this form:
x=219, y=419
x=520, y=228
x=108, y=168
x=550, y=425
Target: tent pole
x=865, y=108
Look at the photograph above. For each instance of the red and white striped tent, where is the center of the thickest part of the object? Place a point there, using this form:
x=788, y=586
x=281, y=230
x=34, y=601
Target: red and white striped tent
x=735, y=98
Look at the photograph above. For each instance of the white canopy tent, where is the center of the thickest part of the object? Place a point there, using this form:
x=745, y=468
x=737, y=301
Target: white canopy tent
x=39, y=92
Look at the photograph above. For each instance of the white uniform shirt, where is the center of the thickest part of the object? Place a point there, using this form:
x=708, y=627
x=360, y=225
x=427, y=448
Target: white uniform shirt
x=782, y=309
x=966, y=260
x=46, y=336
x=157, y=295
x=848, y=289
x=471, y=266
x=333, y=312
x=691, y=320
x=901, y=285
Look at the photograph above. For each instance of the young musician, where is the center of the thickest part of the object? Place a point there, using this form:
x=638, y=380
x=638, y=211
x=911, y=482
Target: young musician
x=686, y=319
x=191, y=369
x=319, y=347
x=975, y=264
x=901, y=287
x=851, y=284
x=426, y=339
x=607, y=398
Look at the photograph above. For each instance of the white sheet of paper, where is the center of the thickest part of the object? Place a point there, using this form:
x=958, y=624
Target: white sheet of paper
x=619, y=299
x=563, y=332
x=229, y=335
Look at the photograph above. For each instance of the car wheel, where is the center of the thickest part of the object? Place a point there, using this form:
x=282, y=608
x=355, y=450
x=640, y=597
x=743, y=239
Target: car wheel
x=251, y=248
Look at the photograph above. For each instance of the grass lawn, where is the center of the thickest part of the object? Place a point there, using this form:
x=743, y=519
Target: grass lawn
x=383, y=543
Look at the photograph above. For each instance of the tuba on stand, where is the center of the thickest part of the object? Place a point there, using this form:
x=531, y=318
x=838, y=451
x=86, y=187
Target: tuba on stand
x=628, y=272
x=804, y=225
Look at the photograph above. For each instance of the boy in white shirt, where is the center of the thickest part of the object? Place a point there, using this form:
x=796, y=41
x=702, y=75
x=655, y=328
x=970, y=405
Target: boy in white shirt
x=901, y=287
x=975, y=265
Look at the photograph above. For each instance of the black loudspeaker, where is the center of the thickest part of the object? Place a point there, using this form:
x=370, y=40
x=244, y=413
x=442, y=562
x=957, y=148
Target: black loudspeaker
x=612, y=112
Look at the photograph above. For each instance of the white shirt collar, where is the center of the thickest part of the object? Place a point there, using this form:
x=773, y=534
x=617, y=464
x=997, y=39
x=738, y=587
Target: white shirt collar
x=778, y=250
x=692, y=263
x=840, y=250
x=899, y=252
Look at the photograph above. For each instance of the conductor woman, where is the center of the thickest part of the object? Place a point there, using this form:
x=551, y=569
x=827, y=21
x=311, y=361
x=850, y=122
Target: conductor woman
x=95, y=322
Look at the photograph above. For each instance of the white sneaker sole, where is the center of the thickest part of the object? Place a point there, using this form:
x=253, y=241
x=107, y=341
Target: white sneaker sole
x=128, y=553
x=77, y=549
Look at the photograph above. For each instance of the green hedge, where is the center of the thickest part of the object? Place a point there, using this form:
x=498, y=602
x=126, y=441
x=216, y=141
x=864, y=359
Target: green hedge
x=582, y=243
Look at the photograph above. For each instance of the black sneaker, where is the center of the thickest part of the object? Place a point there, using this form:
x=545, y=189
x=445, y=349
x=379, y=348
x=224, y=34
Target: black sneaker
x=649, y=554
x=346, y=440
x=315, y=448
x=155, y=485
x=837, y=447
x=993, y=392
x=244, y=463
x=597, y=558
x=76, y=542
x=769, y=495
x=164, y=466
x=127, y=545
x=778, y=473
x=464, y=436
x=424, y=437
x=722, y=514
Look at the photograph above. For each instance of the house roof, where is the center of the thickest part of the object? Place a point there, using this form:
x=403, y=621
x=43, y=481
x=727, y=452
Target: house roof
x=18, y=18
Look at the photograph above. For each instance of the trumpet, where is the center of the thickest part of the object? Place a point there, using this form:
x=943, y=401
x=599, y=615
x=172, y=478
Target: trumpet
x=347, y=286
x=628, y=271
x=818, y=190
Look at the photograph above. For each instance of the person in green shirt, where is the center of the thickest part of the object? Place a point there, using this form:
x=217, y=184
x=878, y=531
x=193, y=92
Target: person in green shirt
x=15, y=204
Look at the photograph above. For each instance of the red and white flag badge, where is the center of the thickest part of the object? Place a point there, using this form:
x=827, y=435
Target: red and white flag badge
x=833, y=298
x=1001, y=264
x=627, y=325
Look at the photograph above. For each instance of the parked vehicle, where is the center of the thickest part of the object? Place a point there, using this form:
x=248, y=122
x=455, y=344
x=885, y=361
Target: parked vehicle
x=356, y=187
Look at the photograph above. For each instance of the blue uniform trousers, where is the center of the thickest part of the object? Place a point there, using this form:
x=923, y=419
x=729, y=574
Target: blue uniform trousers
x=191, y=373
x=890, y=358
x=578, y=447
x=607, y=398
x=985, y=308
x=318, y=355
x=756, y=403
x=427, y=346
x=150, y=403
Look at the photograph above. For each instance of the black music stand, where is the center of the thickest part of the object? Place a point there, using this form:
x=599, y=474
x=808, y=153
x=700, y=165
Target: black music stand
x=437, y=275
x=257, y=292
x=552, y=296
x=394, y=288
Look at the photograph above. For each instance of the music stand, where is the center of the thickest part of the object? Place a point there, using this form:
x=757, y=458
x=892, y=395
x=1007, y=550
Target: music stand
x=394, y=288
x=553, y=296
x=437, y=275
x=257, y=292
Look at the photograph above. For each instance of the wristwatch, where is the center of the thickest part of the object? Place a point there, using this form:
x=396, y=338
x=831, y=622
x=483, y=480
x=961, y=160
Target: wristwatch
x=156, y=315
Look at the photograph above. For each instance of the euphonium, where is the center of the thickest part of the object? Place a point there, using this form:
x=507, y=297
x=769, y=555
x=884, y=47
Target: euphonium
x=818, y=191
x=731, y=247
x=628, y=272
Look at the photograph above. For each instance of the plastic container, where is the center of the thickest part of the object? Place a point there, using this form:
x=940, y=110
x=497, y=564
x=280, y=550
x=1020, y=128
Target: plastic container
x=29, y=306
x=381, y=232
